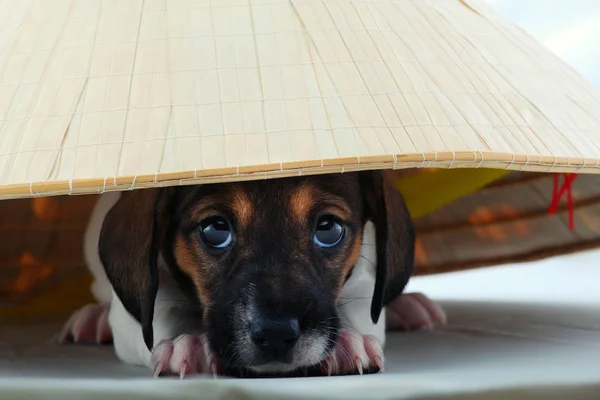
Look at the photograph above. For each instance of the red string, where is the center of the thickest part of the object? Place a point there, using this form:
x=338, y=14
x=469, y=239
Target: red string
x=570, y=205
x=558, y=194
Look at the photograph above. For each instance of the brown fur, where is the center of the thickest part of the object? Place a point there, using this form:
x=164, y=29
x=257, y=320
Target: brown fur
x=186, y=256
x=301, y=201
x=241, y=205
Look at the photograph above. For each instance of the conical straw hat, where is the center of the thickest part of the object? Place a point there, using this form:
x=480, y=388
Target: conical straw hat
x=118, y=95
x=112, y=95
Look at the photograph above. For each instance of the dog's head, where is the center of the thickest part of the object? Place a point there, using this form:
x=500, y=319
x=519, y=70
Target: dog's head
x=264, y=261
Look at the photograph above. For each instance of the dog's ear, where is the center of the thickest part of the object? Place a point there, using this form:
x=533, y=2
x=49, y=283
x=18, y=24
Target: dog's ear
x=130, y=241
x=395, y=236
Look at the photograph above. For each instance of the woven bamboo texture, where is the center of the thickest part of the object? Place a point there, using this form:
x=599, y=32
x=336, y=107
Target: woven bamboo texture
x=103, y=95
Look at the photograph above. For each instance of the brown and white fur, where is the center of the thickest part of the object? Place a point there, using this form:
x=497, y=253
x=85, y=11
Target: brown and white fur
x=167, y=331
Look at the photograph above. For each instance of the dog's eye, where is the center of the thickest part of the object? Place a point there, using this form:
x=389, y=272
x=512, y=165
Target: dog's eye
x=216, y=232
x=328, y=233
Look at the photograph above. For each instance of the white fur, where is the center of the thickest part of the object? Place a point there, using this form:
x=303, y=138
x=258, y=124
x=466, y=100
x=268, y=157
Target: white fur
x=357, y=292
x=101, y=288
x=170, y=321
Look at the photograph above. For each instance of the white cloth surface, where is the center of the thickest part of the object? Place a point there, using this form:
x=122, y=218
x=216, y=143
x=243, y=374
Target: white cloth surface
x=534, y=325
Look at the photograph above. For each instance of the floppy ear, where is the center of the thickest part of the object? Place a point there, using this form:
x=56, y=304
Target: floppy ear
x=132, y=234
x=395, y=236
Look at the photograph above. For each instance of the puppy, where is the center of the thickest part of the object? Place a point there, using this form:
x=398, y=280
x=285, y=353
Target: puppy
x=269, y=277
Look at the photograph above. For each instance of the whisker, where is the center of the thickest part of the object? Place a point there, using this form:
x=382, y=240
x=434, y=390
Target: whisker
x=367, y=260
x=346, y=303
x=345, y=316
x=231, y=358
x=356, y=298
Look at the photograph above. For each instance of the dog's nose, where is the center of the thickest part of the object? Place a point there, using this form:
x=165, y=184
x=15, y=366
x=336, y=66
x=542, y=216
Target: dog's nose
x=275, y=337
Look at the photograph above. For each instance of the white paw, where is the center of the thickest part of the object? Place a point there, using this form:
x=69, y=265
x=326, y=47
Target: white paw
x=413, y=311
x=184, y=355
x=89, y=324
x=353, y=354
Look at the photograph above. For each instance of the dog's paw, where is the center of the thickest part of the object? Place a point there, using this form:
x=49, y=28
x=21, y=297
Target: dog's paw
x=89, y=324
x=353, y=354
x=413, y=311
x=184, y=355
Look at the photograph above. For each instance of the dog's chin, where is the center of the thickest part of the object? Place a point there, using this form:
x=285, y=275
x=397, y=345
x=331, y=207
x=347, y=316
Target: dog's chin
x=308, y=353
x=273, y=368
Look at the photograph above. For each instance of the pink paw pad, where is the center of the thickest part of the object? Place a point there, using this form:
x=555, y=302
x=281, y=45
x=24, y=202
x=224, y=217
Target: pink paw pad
x=413, y=311
x=89, y=324
x=185, y=355
x=353, y=354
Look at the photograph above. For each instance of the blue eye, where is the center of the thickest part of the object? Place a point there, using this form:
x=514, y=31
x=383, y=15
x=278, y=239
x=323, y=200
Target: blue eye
x=216, y=232
x=329, y=233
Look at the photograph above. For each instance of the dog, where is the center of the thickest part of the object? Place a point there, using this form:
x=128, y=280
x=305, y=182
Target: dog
x=272, y=277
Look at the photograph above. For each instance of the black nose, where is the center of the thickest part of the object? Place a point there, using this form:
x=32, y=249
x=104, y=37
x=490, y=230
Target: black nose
x=275, y=337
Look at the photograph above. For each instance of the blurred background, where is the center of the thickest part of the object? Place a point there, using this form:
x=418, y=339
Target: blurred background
x=570, y=28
